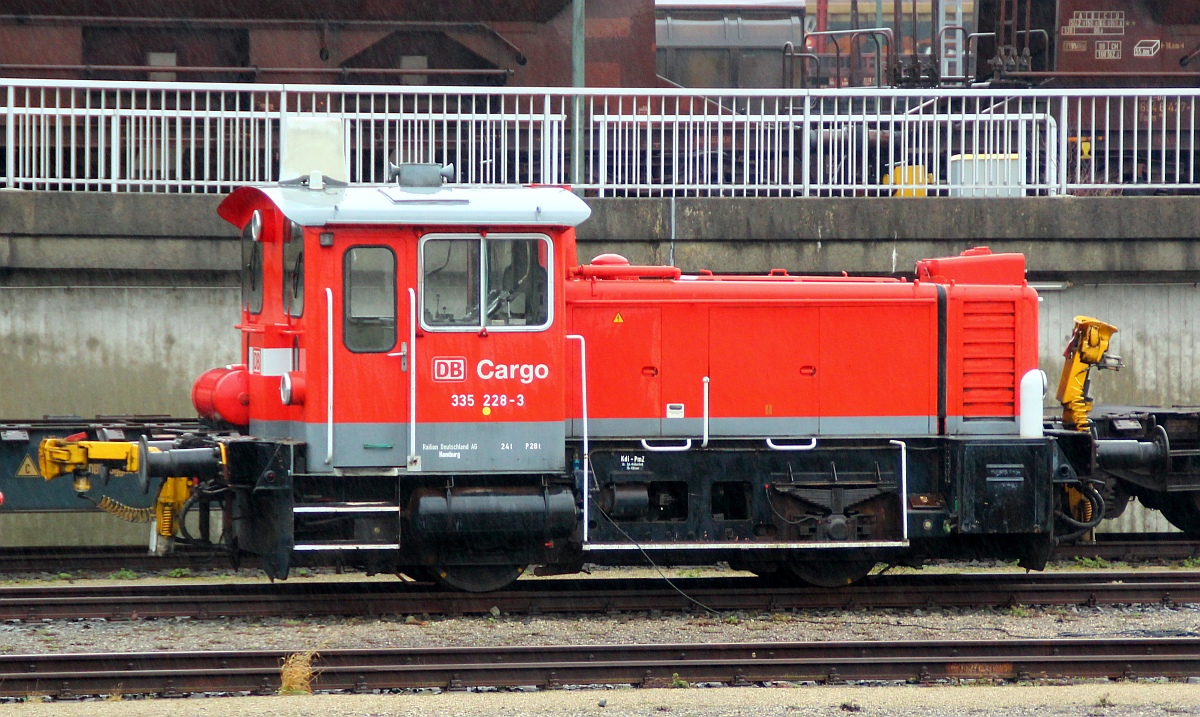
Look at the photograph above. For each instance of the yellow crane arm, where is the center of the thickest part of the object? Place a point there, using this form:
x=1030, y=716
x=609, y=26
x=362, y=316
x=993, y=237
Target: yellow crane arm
x=1088, y=347
x=58, y=457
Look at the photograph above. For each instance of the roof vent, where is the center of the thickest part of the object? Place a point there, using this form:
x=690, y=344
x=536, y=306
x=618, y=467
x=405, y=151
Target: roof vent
x=420, y=175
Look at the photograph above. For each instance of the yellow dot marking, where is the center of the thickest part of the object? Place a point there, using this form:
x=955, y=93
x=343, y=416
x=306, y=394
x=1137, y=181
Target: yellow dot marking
x=487, y=411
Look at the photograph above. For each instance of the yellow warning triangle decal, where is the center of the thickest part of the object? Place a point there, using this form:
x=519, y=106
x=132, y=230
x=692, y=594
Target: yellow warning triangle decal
x=28, y=469
x=618, y=320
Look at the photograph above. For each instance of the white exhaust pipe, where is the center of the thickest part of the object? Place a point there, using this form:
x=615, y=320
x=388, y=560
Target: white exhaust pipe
x=1033, y=390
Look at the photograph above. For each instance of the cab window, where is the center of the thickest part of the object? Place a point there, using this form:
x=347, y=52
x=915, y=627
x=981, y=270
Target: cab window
x=252, y=271
x=293, y=269
x=370, y=299
x=496, y=282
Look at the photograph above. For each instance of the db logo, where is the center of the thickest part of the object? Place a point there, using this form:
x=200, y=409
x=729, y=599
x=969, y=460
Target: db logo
x=450, y=369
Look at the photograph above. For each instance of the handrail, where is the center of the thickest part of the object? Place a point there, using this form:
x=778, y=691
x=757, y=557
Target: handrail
x=659, y=142
x=686, y=446
x=789, y=66
x=903, y=487
x=704, y=441
x=329, y=375
x=973, y=46
x=586, y=447
x=812, y=443
x=874, y=33
x=625, y=271
x=414, y=459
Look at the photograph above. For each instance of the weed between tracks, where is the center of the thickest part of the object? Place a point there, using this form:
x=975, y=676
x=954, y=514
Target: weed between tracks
x=296, y=674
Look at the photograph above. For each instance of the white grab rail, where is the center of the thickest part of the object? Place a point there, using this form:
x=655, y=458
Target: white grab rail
x=685, y=446
x=792, y=447
x=329, y=375
x=586, y=447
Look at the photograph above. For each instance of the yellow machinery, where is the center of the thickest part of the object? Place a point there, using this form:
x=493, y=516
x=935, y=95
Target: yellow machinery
x=179, y=469
x=1088, y=348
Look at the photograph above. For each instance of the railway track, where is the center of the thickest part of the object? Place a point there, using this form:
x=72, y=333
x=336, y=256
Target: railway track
x=601, y=595
x=1150, y=547
x=73, y=675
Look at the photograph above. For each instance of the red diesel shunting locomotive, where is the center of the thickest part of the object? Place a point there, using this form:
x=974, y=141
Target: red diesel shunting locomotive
x=434, y=385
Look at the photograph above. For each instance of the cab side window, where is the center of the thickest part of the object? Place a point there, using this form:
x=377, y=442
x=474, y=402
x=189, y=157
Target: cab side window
x=474, y=282
x=252, y=271
x=293, y=269
x=451, y=291
x=369, y=323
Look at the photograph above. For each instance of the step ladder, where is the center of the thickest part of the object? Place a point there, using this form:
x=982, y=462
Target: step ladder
x=348, y=510
x=954, y=42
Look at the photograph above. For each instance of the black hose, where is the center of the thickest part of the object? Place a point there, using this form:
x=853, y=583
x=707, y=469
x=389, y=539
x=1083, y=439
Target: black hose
x=182, y=520
x=1081, y=527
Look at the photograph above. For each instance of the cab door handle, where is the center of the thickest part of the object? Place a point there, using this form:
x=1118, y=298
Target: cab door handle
x=808, y=370
x=403, y=354
x=651, y=371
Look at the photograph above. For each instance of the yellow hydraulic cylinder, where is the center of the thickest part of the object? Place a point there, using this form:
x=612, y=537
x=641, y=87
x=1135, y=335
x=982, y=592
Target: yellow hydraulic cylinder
x=1087, y=348
x=169, y=505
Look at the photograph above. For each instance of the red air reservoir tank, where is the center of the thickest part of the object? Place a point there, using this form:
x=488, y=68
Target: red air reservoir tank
x=223, y=394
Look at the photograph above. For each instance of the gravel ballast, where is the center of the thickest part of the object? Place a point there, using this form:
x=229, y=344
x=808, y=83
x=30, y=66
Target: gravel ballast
x=1088, y=700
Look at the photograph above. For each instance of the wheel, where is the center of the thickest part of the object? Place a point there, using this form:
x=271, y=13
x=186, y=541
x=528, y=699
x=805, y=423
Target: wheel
x=827, y=573
x=475, y=578
x=1116, y=499
x=1181, y=509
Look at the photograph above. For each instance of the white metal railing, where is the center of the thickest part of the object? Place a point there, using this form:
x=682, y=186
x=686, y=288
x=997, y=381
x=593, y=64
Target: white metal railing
x=199, y=137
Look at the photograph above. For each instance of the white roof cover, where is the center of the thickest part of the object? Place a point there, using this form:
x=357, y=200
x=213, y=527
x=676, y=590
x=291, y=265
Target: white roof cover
x=374, y=204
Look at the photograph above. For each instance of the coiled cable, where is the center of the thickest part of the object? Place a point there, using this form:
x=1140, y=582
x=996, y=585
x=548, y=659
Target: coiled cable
x=125, y=512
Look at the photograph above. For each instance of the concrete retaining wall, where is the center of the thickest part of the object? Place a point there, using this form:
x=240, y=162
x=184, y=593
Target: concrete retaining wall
x=113, y=303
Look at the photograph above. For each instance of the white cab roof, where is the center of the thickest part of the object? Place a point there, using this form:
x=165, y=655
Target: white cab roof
x=447, y=205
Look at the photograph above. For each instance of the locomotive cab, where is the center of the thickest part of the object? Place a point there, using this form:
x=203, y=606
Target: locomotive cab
x=398, y=343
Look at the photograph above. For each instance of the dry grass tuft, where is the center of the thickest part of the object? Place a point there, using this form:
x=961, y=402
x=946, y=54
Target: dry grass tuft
x=296, y=674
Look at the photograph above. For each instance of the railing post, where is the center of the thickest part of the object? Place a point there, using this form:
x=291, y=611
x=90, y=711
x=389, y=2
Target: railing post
x=1063, y=131
x=114, y=143
x=10, y=141
x=548, y=173
x=804, y=154
x=277, y=170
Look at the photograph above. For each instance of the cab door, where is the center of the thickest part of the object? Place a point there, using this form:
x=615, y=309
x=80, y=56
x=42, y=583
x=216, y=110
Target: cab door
x=490, y=381
x=368, y=333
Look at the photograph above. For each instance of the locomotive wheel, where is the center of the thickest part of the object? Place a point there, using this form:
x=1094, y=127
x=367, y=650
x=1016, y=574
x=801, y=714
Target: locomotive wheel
x=1116, y=499
x=827, y=573
x=1181, y=509
x=475, y=578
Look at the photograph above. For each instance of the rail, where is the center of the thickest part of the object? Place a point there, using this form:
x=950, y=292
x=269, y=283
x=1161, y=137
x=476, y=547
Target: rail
x=175, y=674
x=199, y=599
x=211, y=137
